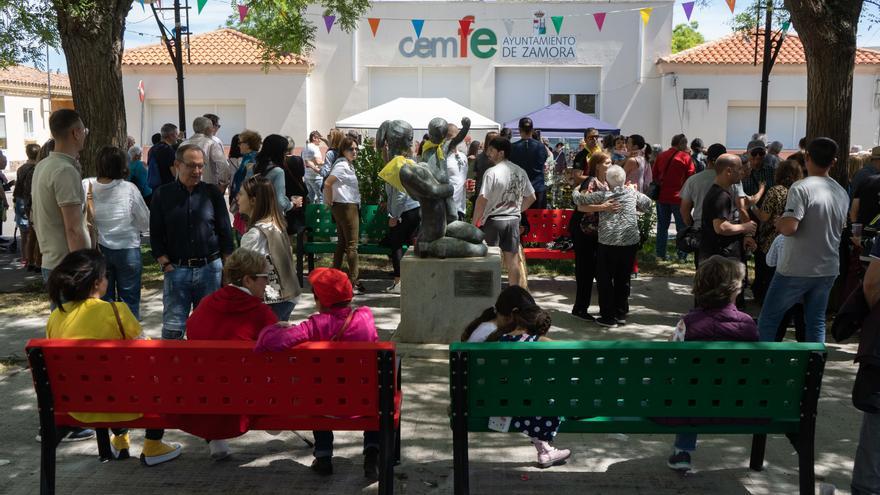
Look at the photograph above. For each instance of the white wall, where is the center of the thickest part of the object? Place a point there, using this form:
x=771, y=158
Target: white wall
x=625, y=99
x=788, y=88
x=274, y=103
x=16, y=137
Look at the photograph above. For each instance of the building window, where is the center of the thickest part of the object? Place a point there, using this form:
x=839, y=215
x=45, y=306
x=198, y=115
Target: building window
x=560, y=99
x=581, y=103
x=28, y=123
x=3, y=143
x=696, y=94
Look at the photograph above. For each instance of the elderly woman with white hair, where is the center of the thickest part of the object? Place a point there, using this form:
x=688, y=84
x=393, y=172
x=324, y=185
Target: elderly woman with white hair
x=618, y=243
x=137, y=173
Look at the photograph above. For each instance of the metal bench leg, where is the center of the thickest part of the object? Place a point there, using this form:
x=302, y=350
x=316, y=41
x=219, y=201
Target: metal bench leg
x=807, y=431
x=459, y=424
x=386, y=422
x=104, y=452
x=50, y=434
x=759, y=443
x=311, y=262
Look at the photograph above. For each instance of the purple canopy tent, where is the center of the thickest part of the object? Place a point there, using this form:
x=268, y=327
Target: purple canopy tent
x=560, y=120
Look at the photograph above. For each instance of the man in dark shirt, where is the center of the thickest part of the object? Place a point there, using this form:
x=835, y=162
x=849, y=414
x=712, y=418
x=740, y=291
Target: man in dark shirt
x=160, y=160
x=591, y=145
x=759, y=174
x=866, y=201
x=721, y=234
x=189, y=234
x=531, y=155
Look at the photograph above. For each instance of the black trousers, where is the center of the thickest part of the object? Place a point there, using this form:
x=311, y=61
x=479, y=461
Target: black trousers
x=763, y=275
x=403, y=233
x=615, y=266
x=585, y=251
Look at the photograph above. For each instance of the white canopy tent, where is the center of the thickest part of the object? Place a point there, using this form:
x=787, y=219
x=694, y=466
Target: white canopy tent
x=418, y=112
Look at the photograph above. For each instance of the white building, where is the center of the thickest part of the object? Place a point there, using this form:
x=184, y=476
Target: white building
x=713, y=91
x=512, y=60
x=25, y=107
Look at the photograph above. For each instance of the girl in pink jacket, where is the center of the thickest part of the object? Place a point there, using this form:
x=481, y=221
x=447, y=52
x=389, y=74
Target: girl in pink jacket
x=336, y=320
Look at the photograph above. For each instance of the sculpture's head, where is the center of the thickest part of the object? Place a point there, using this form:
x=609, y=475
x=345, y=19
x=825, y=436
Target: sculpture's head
x=393, y=138
x=437, y=130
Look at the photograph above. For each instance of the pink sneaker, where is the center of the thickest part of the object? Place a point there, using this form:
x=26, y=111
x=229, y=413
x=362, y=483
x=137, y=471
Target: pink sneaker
x=549, y=455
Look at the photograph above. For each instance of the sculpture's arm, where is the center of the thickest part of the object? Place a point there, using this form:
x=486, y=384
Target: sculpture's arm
x=420, y=183
x=462, y=133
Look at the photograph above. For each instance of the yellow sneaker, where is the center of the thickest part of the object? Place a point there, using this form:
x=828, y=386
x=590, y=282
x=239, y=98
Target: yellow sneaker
x=156, y=452
x=119, y=446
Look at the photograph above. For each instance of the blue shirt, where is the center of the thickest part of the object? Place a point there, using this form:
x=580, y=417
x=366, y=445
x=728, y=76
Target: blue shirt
x=531, y=155
x=138, y=175
x=186, y=224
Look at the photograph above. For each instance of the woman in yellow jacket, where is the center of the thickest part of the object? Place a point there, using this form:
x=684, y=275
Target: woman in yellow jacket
x=75, y=288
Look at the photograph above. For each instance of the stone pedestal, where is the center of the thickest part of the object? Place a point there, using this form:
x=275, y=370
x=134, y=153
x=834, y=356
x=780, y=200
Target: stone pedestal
x=439, y=297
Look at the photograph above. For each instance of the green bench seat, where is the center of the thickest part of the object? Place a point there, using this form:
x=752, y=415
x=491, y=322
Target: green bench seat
x=641, y=387
x=320, y=228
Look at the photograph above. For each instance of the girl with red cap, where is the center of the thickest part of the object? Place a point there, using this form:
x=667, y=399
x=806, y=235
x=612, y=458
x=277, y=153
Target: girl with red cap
x=336, y=320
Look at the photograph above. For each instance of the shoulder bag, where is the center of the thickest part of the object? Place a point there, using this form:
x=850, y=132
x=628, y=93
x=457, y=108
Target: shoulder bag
x=91, y=222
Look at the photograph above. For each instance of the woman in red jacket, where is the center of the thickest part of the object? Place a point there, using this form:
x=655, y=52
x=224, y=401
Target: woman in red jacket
x=234, y=312
x=670, y=170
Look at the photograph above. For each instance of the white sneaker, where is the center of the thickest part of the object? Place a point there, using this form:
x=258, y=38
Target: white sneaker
x=219, y=449
x=393, y=288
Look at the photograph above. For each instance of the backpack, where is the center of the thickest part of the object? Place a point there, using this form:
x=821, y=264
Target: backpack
x=154, y=178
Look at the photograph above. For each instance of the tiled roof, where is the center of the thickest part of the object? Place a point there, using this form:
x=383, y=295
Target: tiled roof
x=221, y=47
x=28, y=79
x=739, y=49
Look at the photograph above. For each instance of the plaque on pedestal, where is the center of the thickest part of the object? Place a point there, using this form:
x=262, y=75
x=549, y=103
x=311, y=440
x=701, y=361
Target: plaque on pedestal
x=439, y=297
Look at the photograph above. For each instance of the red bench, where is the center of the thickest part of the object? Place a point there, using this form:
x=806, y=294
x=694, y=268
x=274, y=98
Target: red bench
x=547, y=226
x=315, y=386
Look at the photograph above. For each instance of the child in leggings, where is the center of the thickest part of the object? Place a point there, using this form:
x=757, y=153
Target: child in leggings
x=76, y=287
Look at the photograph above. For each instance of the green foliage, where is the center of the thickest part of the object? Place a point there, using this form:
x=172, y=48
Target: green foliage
x=282, y=25
x=369, y=163
x=748, y=19
x=26, y=27
x=686, y=36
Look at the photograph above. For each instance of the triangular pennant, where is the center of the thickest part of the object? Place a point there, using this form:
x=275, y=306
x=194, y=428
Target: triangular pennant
x=646, y=14
x=201, y=4
x=688, y=9
x=418, y=24
x=508, y=25
x=731, y=4
x=785, y=26
x=142, y=6
x=328, y=21
x=557, y=22
x=600, y=19
x=374, y=25
x=242, y=12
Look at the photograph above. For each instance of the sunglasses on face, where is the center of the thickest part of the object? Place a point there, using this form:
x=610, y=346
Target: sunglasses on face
x=758, y=152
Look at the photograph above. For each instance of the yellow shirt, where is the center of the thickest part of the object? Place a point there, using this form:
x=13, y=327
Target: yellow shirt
x=94, y=319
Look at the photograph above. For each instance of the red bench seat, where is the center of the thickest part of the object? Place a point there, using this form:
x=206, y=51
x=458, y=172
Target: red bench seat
x=547, y=226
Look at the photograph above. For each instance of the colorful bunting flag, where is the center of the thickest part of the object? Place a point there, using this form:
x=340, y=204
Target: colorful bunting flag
x=731, y=4
x=201, y=4
x=688, y=9
x=142, y=6
x=328, y=21
x=600, y=19
x=785, y=26
x=374, y=25
x=418, y=24
x=557, y=22
x=242, y=12
x=646, y=14
x=508, y=25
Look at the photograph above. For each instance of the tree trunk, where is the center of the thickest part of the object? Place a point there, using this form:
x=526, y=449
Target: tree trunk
x=827, y=29
x=92, y=39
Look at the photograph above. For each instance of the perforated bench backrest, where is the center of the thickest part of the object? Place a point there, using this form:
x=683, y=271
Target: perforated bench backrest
x=636, y=379
x=173, y=377
x=547, y=225
x=320, y=221
x=374, y=222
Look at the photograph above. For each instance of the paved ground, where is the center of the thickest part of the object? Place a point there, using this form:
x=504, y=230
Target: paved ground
x=601, y=464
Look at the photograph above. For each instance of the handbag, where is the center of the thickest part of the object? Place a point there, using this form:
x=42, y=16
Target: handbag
x=91, y=223
x=653, y=191
x=688, y=240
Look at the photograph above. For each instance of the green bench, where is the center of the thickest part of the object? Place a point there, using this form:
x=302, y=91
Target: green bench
x=320, y=228
x=623, y=387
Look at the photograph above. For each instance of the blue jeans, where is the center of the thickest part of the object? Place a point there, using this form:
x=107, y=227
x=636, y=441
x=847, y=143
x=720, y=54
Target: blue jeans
x=866, y=469
x=282, y=309
x=184, y=288
x=663, y=212
x=686, y=441
x=124, y=268
x=324, y=442
x=783, y=293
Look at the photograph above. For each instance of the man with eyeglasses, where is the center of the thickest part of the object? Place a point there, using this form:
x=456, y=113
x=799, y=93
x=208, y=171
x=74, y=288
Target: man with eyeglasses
x=189, y=234
x=591, y=138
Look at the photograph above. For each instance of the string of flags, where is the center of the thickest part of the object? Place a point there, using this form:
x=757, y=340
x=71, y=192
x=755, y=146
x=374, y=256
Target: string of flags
x=419, y=24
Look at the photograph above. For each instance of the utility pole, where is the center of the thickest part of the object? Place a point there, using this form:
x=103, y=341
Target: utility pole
x=176, y=54
x=772, y=45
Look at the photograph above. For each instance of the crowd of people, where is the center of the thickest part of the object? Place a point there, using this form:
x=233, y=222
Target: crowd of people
x=224, y=228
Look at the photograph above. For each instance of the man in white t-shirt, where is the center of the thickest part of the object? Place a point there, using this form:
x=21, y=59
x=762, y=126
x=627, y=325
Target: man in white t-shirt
x=505, y=193
x=457, y=170
x=814, y=217
x=313, y=159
